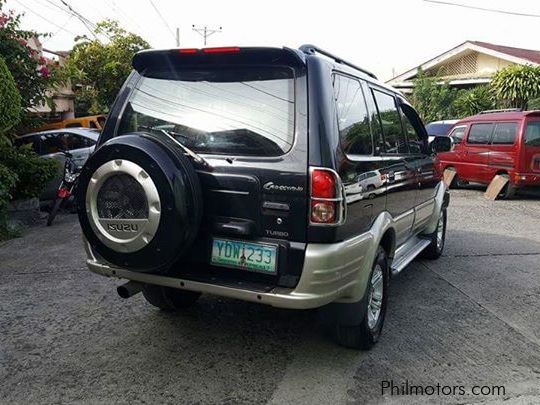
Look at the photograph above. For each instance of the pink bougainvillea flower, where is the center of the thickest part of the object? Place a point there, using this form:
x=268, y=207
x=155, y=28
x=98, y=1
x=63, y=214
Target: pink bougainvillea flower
x=4, y=18
x=45, y=72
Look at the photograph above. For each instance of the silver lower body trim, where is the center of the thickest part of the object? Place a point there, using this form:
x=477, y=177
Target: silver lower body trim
x=331, y=272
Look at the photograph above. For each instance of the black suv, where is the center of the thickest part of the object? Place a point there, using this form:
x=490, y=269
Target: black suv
x=237, y=172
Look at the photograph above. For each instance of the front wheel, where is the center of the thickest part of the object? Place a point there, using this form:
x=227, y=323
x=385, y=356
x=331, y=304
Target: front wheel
x=362, y=332
x=457, y=182
x=54, y=211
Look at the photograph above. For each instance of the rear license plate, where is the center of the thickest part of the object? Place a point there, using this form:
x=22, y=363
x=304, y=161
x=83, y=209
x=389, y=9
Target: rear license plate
x=244, y=255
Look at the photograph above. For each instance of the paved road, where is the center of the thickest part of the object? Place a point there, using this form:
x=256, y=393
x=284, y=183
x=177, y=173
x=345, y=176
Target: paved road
x=470, y=318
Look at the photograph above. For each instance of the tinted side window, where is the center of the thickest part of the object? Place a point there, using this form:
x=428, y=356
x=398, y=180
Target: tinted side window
x=394, y=138
x=413, y=131
x=505, y=133
x=52, y=143
x=353, y=118
x=74, y=125
x=72, y=141
x=532, y=135
x=480, y=134
x=457, y=134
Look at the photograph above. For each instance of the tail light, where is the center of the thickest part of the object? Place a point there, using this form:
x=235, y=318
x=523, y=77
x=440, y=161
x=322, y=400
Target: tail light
x=63, y=193
x=327, y=206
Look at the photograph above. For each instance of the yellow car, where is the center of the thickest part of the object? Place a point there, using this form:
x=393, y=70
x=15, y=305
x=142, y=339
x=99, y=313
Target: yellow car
x=92, y=121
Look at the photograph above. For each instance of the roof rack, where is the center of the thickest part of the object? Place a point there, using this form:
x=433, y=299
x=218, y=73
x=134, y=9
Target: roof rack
x=312, y=49
x=500, y=111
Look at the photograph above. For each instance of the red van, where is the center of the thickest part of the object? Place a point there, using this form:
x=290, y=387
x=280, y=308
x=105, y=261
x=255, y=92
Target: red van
x=499, y=142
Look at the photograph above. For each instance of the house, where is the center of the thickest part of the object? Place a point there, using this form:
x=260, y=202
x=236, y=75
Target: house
x=63, y=97
x=467, y=65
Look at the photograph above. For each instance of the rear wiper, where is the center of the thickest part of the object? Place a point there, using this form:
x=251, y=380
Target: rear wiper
x=198, y=158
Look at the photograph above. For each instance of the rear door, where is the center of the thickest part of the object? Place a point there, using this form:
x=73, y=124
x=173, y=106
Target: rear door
x=423, y=161
x=475, y=154
x=504, y=148
x=247, y=117
x=399, y=170
x=79, y=146
x=530, y=161
x=361, y=169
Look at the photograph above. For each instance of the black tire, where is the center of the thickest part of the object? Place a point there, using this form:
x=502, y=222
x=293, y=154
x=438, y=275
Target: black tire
x=54, y=211
x=456, y=181
x=349, y=324
x=435, y=249
x=508, y=190
x=169, y=299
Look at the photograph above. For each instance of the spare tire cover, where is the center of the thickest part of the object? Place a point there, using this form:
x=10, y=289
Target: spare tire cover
x=139, y=202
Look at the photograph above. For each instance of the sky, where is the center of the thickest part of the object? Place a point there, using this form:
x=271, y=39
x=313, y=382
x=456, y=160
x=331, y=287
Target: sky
x=383, y=36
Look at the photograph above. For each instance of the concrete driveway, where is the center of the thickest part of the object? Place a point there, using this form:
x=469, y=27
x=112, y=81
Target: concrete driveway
x=472, y=318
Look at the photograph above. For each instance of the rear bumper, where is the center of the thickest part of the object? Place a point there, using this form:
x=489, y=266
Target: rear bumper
x=526, y=179
x=331, y=272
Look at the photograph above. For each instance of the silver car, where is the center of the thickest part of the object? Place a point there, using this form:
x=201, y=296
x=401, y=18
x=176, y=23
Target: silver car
x=80, y=142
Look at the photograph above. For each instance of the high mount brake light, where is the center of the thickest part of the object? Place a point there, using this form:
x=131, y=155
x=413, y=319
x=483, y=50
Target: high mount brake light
x=326, y=205
x=225, y=49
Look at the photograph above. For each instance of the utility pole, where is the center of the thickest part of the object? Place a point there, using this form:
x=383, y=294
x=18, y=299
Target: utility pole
x=205, y=32
x=178, y=37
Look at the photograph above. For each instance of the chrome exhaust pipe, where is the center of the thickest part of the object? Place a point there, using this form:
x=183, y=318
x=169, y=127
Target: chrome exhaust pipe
x=129, y=289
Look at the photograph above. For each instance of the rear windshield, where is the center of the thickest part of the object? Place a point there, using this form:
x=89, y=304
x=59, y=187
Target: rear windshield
x=246, y=112
x=532, y=135
x=438, y=129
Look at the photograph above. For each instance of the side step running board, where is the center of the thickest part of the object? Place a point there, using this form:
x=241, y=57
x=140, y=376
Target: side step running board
x=406, y=253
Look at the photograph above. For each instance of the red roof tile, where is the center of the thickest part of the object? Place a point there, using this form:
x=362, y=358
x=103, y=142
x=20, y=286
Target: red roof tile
x=528, y=54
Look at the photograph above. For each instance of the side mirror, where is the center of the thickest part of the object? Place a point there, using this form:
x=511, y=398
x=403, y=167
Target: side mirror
x=441, y=144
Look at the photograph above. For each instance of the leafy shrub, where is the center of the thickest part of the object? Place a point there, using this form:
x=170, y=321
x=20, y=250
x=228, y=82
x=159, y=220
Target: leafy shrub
x=33, y=74
x=515, y=85
x=10, y=100
x=472, y=101
x=33, y=172
x=8, y=179
x=534, y=104
x=433, y=98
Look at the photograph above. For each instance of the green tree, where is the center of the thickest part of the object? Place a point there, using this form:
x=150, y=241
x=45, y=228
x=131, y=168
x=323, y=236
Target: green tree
x=472, y=101
x=33, y=75
x=10, y=101
x=97, y=68
x=433, y=98
x=515, y=85
x=534, y=104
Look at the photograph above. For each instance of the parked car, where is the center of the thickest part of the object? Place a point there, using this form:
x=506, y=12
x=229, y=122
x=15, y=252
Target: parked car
x=80, y=142
x=503, y=143
x=207, y=180
x=439, y=128
x=91, y=121
x=367, y=184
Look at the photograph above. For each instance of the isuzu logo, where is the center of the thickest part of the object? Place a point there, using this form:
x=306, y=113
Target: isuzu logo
x=270, y=186
x=123, y=227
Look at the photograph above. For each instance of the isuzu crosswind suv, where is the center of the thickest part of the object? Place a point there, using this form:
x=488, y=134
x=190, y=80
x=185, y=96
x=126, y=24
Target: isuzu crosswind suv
x=225, y=171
